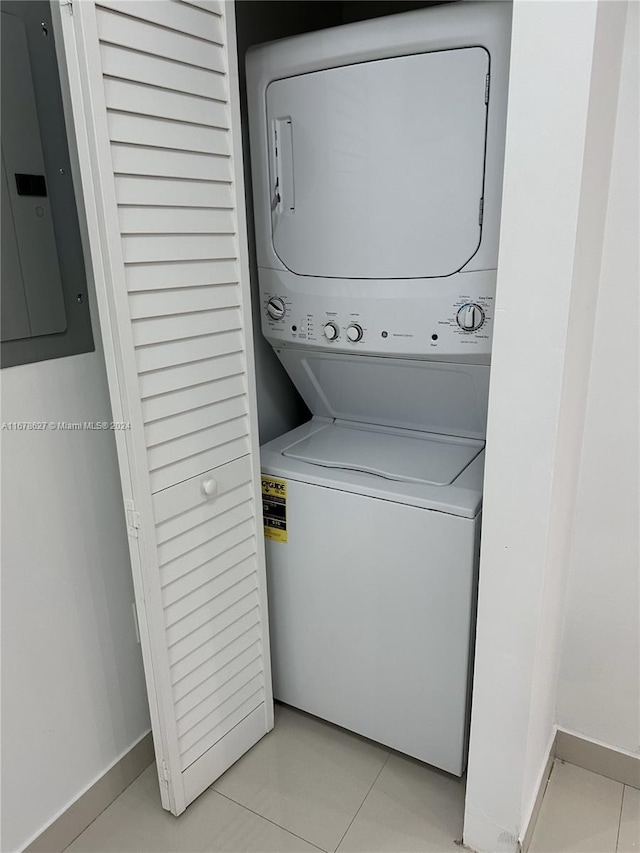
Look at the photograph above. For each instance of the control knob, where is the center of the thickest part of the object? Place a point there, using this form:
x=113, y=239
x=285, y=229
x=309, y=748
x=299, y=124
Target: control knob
x=354, y=333
x=470, y=317
x=276, y=308
x=331, y=331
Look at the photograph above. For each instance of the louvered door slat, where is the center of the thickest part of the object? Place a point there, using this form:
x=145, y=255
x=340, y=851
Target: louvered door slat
x=155, y=357
x=193, y=559
x=124, y=63
x=171, y=163
x=172, y=443
x=157, y=119
x=145, y=100
x=228, y=679
x=155, y=276
x=247, y=688
x=169, y=442
x=188, y=651
x=194, y=609
x=168, y=220
x=167, y=133
x=207, y=678
x=237, y=656
x=198, y=722
x=214, y=7
x=163, y=408
x=237, y=634
x=138, y=35
x=158, y=329
x=183, y=300
x=198, y=578
x=180, y=18
x=237, y=708
x=184, y=375
x=228, y=521
x=141, y=190
x=151, y=248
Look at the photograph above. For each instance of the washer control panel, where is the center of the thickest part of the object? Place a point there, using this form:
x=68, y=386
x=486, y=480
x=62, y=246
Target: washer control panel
x=441, y=318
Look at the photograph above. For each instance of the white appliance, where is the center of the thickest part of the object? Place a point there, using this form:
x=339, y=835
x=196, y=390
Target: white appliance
x=377, y=153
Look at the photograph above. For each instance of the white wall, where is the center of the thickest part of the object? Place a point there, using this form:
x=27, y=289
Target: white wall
x=73, y=695
x=564, y=78
x=599, y=685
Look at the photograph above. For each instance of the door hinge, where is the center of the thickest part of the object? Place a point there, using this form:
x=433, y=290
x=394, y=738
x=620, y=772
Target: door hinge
x=69, y=5
x=165, y=771
x=481, y=211
x=133, y=518
x=486, y=88
x=136, y=624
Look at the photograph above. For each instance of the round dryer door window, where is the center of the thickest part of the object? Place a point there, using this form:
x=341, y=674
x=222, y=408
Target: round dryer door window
x=377, y=168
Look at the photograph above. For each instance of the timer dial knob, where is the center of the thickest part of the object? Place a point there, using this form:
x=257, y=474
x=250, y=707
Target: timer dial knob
x=276, y=308
x=354, y=333
x=470, y=317
x=331, y=331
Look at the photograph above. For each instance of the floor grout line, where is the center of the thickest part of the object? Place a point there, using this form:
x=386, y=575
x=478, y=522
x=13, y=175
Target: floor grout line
x=272, y=822
x=363, y=802
x=624, y=788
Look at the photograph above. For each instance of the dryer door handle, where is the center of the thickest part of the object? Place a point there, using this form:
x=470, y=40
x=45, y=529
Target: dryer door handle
x=283, y=196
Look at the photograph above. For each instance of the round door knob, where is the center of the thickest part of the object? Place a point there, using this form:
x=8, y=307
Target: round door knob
x=331, y=331
x=470, y=317
x=354, y=333
x=276, y=308
x=210, y=487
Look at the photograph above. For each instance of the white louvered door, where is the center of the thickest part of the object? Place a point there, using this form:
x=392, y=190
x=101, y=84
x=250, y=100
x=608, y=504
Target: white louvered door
x=154, y=104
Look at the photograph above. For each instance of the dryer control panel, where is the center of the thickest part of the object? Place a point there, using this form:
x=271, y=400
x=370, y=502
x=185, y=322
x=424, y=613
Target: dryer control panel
x=448, y=319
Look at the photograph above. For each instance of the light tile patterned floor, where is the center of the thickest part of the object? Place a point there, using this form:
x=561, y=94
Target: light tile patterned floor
x=583, y=812
x=311, y=786
x=307, y=776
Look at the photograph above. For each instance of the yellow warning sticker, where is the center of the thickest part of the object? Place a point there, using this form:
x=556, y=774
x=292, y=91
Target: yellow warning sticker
x=274, y=508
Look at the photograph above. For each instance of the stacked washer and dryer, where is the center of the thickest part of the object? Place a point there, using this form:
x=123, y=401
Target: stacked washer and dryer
x=377, y=155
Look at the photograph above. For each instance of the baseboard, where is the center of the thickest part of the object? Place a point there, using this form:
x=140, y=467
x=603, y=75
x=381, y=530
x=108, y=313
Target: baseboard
x=530, y=824
x=598, y=757
x=77, y=817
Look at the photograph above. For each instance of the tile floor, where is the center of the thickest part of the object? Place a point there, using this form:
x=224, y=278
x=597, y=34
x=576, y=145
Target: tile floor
x=309, y=786
x=583, y=812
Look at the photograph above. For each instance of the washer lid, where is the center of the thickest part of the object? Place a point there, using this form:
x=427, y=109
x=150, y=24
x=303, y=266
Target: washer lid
x=393, y=454
x=377, y=168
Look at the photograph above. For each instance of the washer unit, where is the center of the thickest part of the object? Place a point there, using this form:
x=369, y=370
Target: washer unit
x=377, y=153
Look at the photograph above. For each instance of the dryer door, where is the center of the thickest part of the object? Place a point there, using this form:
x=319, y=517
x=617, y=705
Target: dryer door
x=377, y=168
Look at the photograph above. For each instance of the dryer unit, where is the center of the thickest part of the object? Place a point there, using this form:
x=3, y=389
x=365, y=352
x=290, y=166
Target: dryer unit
x=377, y=152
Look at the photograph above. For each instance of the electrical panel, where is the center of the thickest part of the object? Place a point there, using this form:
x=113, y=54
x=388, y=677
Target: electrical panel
x=44, y=311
